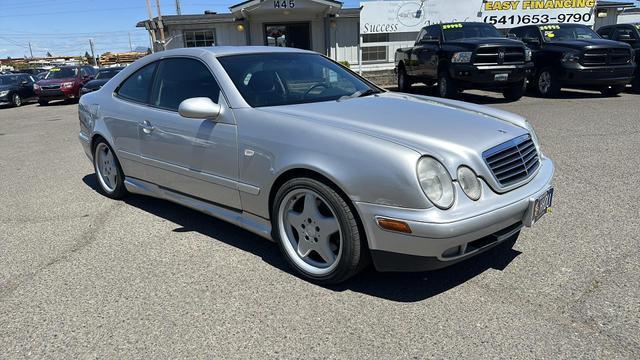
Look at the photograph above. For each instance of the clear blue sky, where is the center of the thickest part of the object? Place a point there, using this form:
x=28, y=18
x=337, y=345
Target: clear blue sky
x=63, y=27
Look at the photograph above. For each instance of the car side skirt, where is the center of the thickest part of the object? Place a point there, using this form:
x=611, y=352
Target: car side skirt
x=243, y=219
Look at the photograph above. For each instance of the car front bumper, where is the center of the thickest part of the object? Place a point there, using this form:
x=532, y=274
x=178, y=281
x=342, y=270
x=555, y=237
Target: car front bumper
x=581, y=76
x=52, y=95
x=484, y=76
x=440, y=238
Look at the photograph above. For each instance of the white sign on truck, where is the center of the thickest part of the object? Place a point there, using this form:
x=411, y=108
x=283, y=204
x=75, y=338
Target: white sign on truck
x=412, y=15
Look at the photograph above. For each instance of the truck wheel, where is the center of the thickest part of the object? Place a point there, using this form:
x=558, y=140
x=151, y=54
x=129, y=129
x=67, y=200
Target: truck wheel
x=515, y=91
x=446, y=85
x=404, y=82
x=612, y=90
x=547, y=83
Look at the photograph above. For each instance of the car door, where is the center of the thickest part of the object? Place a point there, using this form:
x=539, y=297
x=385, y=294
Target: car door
x=26, y=87
x=426, y=53
x=129, y=107
x=198, y=157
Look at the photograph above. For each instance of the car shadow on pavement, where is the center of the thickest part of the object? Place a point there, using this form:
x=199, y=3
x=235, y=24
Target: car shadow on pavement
x=400, y=287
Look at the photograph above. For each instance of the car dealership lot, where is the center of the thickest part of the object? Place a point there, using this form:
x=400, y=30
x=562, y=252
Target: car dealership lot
x=82, y=275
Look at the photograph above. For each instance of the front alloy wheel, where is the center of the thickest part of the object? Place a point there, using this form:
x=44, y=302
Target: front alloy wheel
x=547, y=83
x=317, y=232
x=16, y=100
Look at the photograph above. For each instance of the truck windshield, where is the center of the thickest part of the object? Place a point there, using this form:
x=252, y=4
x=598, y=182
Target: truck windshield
x=564, y=32
x=270, y=79
x=62, y=73
x=454, y=32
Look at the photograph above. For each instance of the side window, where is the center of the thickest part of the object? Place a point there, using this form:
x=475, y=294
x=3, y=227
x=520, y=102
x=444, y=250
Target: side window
x=137, y=86
x=623, y=32
x=179, y=79
x=83, y=72
x=434, y=33
x=422, y=34
x=605, y=33
x=516, y=32
x=531, y=32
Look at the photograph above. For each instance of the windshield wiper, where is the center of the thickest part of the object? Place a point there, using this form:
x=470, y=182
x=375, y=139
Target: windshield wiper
x=368, y=92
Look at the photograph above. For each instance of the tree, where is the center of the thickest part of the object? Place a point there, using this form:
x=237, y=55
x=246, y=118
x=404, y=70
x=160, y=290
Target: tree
x=90, y=60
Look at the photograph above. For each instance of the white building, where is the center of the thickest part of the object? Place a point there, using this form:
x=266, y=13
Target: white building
x=368, y=43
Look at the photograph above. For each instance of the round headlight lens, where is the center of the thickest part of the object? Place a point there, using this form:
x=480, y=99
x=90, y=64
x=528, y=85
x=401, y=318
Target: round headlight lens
x=469, y=182
x=435, y=182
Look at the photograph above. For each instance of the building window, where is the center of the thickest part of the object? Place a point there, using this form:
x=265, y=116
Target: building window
x=374, y=53
x=197, y=38
x=374, y=38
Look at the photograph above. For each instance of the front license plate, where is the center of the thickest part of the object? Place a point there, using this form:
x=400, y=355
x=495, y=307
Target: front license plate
x=501, y=77
x=541, y=206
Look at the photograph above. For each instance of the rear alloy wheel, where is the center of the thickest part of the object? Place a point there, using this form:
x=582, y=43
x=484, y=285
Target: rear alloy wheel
x=16, y=100
x=317, y=232
x=613, y=90
x=515, y=91
x=108, y=171
x=447, y=87
x=404, y=82
x=547, y=83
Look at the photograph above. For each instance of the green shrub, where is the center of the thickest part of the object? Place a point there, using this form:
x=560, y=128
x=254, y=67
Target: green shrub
x=344, y=63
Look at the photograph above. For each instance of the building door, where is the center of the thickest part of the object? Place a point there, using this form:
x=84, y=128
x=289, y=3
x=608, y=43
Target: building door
x=296, y=35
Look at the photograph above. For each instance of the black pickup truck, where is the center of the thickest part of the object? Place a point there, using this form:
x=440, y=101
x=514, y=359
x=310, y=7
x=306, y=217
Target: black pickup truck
x=575, y=56
x=465, y=55
x=630, y=34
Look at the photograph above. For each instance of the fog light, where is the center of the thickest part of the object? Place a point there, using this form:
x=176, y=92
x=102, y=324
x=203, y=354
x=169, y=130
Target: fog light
x=394, y=225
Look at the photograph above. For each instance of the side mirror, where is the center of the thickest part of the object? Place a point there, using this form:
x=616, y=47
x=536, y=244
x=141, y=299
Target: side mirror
x=199, y=108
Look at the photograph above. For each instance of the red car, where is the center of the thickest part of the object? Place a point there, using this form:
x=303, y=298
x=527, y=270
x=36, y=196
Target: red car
x=63, y=83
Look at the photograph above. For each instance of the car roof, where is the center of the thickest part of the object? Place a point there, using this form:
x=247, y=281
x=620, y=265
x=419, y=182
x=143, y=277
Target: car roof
x=232, y=50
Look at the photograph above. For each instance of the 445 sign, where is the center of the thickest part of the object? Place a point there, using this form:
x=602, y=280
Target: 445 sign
x=284, y=4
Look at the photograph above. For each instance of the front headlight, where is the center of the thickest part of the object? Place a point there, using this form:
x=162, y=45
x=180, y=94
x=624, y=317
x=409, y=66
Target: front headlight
x=67, y=85
x=435, y=182
x=527, y=54
x=469, y=182
x=4, y=93
x=571, y=57
x=461, y=57
x=534, y=137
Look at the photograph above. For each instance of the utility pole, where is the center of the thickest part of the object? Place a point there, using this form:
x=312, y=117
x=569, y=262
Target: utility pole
x=152, y=30
x=30, y=50
x=160, y=25
x=178, y=10
x=130, y=46
x=93, y=54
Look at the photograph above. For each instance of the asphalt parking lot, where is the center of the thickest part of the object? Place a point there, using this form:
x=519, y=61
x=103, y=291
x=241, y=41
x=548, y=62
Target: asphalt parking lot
x=85, y=276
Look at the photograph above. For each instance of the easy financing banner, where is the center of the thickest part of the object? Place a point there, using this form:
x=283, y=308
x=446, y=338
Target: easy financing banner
x=412, y=15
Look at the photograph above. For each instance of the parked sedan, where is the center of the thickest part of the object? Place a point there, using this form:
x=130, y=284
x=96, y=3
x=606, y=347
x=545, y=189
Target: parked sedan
x=101, y=78
x=296, y=148
x=16, y=89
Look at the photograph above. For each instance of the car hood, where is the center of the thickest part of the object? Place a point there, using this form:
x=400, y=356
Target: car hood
x=427, y=125
x=486, y=41
x=7, y=87
x=94, y=84
x=55, y=81
x=588, y=43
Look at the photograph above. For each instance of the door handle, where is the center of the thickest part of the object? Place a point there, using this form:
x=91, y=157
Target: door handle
x=146, y=126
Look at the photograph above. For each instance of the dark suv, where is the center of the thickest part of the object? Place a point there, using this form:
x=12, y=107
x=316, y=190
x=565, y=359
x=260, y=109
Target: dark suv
x=63, y=83
x=630, y=34
x=462, y=56
x=572, y=55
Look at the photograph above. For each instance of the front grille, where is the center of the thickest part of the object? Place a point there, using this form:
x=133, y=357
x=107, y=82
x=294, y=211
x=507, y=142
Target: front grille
x=499, y=55
x=603, y=57
x=513, y=161
x=50, y=87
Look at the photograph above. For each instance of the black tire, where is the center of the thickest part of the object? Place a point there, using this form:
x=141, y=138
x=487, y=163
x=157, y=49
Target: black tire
x=16, y=101
x=635, y=84
x=354, y=255
x=404, y=81
x=447, y=87
x=547, y=83
x=515, y=91
x=119, y=190
x=613, y=90
x=43, y=102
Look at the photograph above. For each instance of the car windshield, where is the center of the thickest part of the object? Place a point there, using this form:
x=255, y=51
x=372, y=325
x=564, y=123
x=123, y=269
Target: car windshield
x=62, y=73
x=469, y=31
x=107, y=73
x=8, y=79
x=563, y=32
x=291, y=78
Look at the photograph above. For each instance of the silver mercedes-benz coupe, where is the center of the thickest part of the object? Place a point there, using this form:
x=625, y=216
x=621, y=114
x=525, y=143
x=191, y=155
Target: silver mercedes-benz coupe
x=294, y=147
